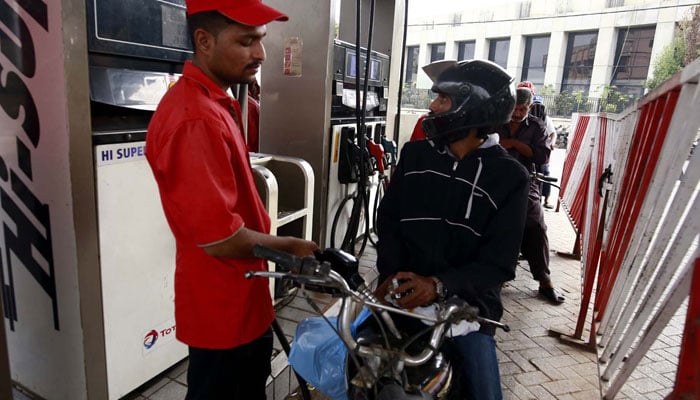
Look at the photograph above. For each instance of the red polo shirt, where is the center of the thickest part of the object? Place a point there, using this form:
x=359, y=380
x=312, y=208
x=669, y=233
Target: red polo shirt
x=200, y=162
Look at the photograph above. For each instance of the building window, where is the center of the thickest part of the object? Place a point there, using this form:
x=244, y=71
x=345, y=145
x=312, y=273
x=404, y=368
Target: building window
x=465, y=50
x=632, y=59
x=437, y=52
x=535, y=61
x=498, y=51
x=411, y=64
x=578, y=64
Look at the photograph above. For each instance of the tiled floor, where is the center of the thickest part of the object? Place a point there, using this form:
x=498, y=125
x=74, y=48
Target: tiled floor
x=534, y=365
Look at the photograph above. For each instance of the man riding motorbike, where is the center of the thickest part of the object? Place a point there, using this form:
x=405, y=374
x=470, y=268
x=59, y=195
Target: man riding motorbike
x=452, y=218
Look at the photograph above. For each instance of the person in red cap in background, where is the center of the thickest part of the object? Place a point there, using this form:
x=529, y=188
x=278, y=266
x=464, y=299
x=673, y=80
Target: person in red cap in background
x=527, y=85
x=200, y=161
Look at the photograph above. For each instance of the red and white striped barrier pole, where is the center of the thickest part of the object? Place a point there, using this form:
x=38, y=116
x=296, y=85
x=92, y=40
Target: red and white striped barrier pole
x=688, y=375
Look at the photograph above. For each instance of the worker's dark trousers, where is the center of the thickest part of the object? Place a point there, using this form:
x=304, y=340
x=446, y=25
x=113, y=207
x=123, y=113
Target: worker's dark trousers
x=237, y=373
x=535, y=245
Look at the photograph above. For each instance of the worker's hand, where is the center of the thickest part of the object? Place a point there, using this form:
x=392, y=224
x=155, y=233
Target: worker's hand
x=415, y=290
x=300, y=247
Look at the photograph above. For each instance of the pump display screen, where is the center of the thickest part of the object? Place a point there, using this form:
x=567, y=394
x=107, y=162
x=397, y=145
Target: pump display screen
x=154, y=29
x=374, y=70
x=351, y=66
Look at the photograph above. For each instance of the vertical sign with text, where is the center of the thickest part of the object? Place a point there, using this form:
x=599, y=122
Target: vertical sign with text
x=38, y=274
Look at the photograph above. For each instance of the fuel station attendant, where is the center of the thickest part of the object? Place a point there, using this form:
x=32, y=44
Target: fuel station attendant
x=200, y=161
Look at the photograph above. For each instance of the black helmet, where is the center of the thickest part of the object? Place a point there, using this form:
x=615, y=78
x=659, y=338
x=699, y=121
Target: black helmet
x=481, y=94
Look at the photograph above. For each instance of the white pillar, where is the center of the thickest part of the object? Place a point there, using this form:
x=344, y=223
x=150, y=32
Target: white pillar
x=603, y=60
x=516, y=53
x=555, y=60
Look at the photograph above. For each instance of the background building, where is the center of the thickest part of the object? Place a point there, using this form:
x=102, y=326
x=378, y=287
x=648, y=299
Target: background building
x=575, y=52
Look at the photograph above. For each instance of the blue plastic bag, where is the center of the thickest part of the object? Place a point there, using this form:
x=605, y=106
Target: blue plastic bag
x=318, y=354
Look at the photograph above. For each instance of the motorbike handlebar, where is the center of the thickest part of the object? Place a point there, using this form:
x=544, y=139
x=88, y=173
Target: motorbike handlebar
x=543, y=178
x=308, y=270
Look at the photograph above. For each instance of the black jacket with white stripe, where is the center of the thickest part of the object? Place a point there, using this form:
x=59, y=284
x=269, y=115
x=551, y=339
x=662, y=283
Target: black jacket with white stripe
x=459, y=220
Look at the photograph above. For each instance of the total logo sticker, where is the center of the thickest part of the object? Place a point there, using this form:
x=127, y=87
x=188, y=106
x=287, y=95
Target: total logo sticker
x=155, y=338
x=150, y=339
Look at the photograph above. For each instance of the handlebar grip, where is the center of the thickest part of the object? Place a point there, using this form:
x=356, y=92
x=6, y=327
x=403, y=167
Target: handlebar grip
x=541, y=177
x=278, y=257
x=299, y=265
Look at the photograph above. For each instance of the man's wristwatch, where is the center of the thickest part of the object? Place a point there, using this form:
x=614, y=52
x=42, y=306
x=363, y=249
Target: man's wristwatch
x=440, y=289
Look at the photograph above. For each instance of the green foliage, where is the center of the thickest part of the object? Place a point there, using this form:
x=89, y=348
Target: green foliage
x=563, y=104
x=613, y=101
x=547, y=90
x=669, y=61
x=680, y=52
x=580, y=102
x=566, y=103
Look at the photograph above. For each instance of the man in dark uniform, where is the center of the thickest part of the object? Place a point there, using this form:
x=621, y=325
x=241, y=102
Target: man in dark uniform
x=524, y=138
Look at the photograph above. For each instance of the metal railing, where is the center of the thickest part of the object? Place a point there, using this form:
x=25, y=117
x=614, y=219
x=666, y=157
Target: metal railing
x=639, y=226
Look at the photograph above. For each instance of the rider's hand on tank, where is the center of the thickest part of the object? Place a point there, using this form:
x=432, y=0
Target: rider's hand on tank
x=417, y=290
x=384, y=289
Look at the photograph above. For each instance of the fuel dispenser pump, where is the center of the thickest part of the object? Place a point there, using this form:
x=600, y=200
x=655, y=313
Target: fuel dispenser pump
x=345, y=83
x=357, y=153
x=362, y=172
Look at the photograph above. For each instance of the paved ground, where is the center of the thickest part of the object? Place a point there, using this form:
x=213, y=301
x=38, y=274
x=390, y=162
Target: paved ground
x=534, y=365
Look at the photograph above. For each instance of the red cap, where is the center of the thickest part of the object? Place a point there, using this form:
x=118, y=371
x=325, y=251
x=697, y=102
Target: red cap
x=527, y=85
x=247, y=12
